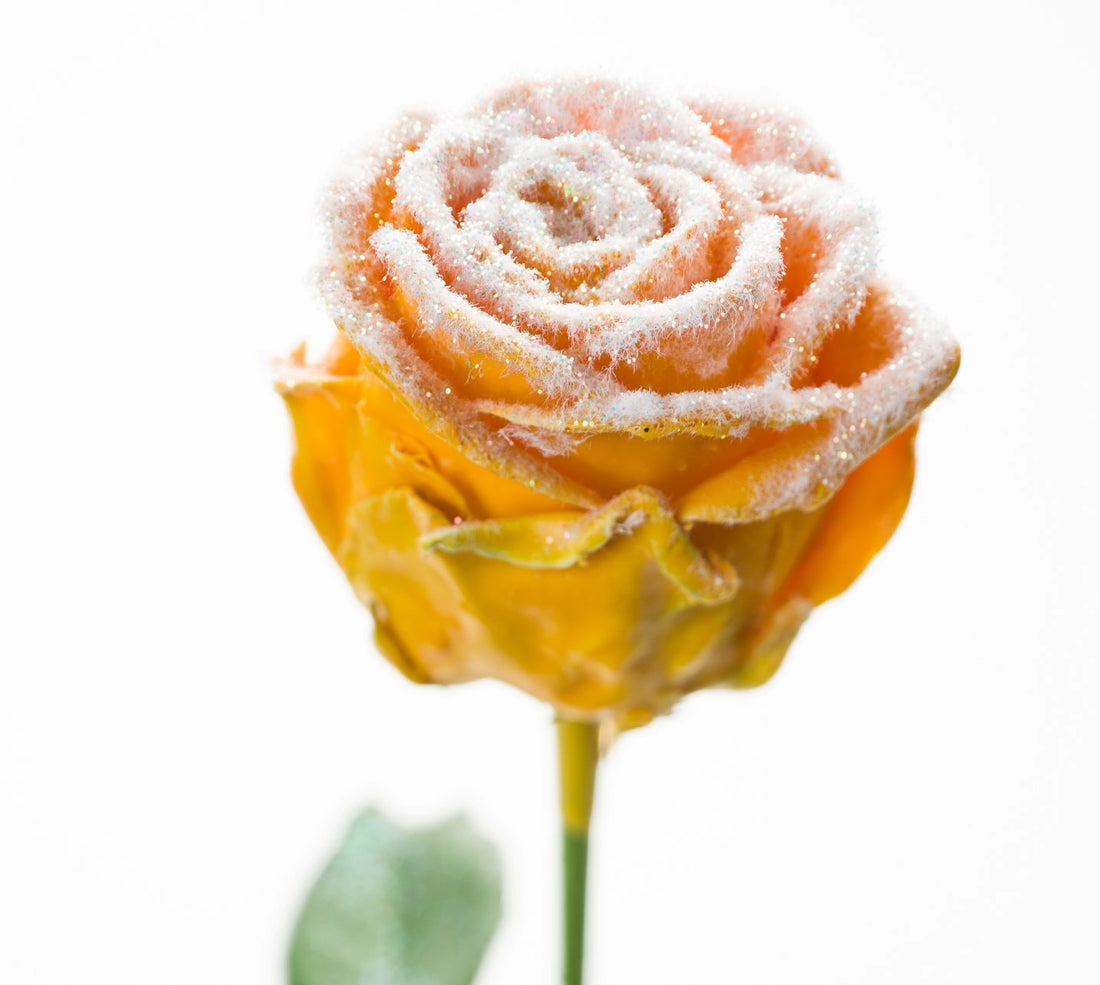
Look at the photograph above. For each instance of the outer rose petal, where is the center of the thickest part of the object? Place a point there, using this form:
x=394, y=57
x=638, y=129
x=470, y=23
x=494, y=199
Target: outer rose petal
x=851, y=529
x=327, y=439
x=857, y=522
x=355, y=438
x=613, y=613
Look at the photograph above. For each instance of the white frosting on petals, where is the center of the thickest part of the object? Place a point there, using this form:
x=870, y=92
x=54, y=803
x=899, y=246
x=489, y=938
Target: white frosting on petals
x=765, y=134
x=513, y=272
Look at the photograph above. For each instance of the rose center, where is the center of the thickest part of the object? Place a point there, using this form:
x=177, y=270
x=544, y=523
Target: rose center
x=570, y=207
x=567, y=214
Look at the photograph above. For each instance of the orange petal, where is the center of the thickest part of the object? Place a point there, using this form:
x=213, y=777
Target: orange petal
x=770, y=480
x=857, y=522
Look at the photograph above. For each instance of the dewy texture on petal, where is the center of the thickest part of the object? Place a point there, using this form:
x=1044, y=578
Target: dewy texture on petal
x=619, y=395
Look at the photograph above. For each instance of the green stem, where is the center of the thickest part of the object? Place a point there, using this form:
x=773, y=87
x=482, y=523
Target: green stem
x=578, y=746
x=575, y=874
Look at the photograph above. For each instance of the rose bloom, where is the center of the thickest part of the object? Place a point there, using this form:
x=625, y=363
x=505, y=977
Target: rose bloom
x=618, y=396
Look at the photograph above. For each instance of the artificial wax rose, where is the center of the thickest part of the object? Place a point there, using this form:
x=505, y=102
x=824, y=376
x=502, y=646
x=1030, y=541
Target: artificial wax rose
x=618, y=397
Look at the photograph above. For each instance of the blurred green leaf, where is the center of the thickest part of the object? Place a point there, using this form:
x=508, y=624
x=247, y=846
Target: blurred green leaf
x=399, y=907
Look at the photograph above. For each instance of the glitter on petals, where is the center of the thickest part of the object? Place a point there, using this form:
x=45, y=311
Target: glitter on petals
x=512, y=273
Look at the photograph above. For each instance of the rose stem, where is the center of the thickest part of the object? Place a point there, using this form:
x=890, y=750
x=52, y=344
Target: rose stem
x=578, y=748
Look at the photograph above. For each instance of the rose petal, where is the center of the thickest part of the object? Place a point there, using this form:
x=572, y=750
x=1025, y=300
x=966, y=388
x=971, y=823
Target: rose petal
x=646, y=608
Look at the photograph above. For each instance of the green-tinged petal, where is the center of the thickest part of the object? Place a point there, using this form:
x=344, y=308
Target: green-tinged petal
x=560, y=540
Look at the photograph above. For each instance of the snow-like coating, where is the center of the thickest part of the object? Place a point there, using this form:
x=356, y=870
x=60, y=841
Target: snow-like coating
x=584, y=257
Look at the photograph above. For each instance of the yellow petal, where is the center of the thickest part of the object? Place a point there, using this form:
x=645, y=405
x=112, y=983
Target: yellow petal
x=342, y=455
x=611, y=620
x=767, y=645
x=488, y=493
x=561, y=540
x=327, y=438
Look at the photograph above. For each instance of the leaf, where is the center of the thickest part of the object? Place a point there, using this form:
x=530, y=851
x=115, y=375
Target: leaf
x=399, y=907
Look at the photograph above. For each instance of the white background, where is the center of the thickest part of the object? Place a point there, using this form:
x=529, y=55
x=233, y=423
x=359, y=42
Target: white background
x=190, y=707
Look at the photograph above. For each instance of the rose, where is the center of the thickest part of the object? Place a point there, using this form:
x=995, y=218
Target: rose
x=618, y=397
